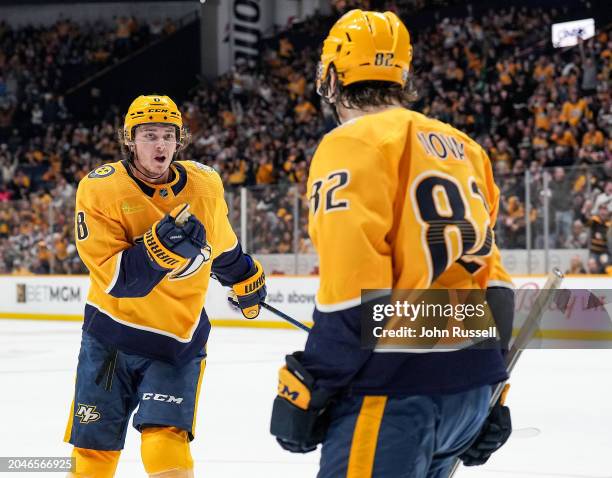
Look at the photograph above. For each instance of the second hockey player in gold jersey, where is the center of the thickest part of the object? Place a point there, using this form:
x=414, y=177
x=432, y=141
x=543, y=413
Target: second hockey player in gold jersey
x=150, y=230
x=397, y=201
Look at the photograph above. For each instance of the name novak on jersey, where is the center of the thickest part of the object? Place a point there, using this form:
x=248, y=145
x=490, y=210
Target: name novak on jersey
x=440, y=145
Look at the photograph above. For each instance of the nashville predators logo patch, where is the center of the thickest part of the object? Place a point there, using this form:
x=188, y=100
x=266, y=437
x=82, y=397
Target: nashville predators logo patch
x=102, y=172
x=87, y=413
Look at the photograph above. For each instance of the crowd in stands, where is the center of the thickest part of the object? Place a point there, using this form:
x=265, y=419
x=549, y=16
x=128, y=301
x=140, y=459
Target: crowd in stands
x=38, y=64
x=43, y=151
x=534, y=110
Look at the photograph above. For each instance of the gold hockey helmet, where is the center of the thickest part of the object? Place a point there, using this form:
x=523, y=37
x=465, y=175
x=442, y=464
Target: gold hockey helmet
x=153, y=109
x=366, y=46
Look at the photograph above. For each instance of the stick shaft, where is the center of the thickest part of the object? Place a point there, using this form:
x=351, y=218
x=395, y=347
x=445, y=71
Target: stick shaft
x=284, y=316
x=277, y=312
x=524, y=336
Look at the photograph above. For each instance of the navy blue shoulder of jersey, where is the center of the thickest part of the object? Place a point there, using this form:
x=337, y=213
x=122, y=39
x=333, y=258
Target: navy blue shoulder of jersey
x=333, y=354
x=145, y=343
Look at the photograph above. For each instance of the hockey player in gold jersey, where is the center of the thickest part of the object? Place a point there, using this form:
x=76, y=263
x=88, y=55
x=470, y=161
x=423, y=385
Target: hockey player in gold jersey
x=151, y=230
x=397, y=201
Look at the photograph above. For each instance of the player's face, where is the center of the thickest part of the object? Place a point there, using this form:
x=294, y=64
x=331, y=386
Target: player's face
x=155, y=147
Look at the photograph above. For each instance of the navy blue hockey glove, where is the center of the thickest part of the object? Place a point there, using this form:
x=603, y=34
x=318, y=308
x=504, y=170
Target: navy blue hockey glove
x=494, y=433
x=170, y=241
x=299, y=419
x=251, y=290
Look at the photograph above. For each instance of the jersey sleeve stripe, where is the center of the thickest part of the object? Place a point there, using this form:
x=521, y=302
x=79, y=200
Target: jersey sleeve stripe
x=231, y=248
x=132, y=325
x=116, y=273
x=347, y=304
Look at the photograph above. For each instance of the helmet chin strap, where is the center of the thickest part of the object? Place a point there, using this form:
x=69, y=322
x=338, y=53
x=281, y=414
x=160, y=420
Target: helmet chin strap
x=335, y=114
x=334, y=110
x=132, y=163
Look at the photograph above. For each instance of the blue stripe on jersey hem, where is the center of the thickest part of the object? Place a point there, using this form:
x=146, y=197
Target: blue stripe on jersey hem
x=394, y=391
x=142, y=342
x=429, y=374
x=333, y=354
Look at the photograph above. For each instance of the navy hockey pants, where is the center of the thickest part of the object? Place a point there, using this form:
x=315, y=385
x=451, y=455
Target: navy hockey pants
x=401, y=437
x=110, y=384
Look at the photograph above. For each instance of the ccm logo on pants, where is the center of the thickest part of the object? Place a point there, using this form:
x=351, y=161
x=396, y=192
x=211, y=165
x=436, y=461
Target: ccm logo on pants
x=162, y=398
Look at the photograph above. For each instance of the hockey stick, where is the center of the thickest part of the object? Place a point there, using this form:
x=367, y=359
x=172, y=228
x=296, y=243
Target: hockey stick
x=282, y=315
x=181, y=218
x=274, y=310
x=525, y=334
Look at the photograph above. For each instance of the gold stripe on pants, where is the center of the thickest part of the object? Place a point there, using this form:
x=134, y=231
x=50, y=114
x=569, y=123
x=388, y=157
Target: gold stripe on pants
x=365, y=437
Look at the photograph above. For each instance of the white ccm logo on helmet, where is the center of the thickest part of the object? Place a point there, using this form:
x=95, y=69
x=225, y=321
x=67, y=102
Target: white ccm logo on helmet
x=162, y=398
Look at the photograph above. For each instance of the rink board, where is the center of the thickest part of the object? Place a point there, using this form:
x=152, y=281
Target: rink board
x=63, y=298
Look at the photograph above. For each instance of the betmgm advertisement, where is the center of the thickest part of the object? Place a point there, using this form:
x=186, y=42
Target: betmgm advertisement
x=64, y=298
x=46, y=293
x=578, y=317
x=44, y=296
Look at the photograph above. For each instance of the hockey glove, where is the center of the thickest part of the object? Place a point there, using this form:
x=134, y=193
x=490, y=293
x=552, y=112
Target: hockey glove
x=251, y=290
x=299, y=421
x=492, y=436
x=170, y=244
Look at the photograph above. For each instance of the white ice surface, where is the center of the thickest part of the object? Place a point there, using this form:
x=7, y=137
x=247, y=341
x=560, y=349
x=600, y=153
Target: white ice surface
x=566, y=394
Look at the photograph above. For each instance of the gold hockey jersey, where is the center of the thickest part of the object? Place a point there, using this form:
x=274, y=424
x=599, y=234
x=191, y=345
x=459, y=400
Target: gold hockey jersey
x=399, y=200
x=130, y=304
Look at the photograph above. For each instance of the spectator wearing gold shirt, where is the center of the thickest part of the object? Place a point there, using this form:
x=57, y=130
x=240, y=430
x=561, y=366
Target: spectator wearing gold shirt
x=593, y=137
x=573, y=109
x=265, y=171
x=564, y=137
